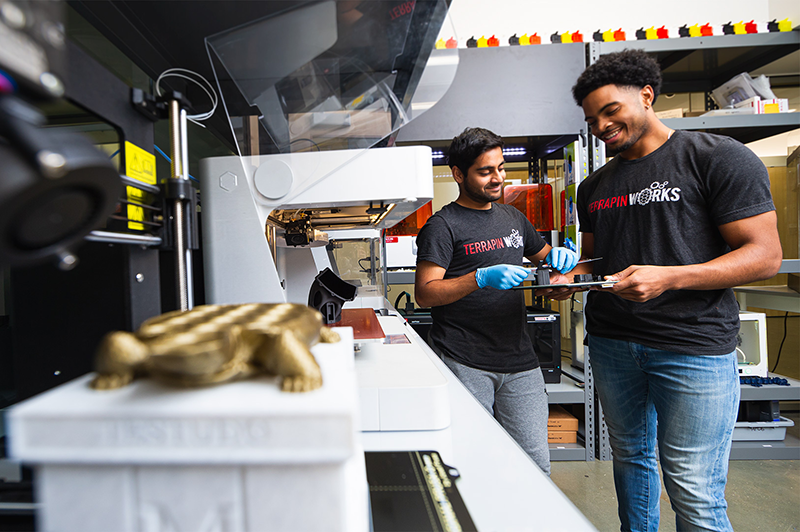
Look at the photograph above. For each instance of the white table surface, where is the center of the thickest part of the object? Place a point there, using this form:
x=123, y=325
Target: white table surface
x=502, y=487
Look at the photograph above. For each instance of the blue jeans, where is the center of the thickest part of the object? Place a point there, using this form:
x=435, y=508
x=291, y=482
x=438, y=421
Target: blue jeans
x=690, y=402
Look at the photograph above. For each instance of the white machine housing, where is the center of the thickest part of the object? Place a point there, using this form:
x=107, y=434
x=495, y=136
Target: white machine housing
x=401, y=251
x=239, y=195
x=751, y=350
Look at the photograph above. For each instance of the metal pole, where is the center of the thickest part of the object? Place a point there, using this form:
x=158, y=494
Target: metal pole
x=180, y=164
x=123, y=238
x=373, y=278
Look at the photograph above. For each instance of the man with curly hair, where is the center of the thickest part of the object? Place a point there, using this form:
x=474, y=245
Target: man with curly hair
x=469, y=255
x=679, y=218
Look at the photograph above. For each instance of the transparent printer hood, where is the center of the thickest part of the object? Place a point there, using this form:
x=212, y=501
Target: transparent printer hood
x=307, y=91
x=332, y=75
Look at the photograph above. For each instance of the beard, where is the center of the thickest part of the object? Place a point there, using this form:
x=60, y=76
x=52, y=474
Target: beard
x=637, y=130
x=480, y=195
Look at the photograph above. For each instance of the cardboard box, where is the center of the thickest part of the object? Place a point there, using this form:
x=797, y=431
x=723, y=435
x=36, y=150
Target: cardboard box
x=753, y=103
x=793, y=282
x=670, y=113
x=561, y=420
x=775, y=105
x=562, y=436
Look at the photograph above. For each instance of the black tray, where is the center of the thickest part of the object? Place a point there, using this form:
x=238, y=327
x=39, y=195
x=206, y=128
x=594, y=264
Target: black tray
x=568, y=285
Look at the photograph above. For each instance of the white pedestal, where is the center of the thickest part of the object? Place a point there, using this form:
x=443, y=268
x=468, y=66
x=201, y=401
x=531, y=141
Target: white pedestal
x=237, y=457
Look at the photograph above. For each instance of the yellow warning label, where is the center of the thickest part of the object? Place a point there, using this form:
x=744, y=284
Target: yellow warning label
x=140, y=165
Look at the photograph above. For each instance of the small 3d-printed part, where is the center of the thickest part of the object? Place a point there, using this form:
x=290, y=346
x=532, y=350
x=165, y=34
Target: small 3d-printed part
x=542, y=276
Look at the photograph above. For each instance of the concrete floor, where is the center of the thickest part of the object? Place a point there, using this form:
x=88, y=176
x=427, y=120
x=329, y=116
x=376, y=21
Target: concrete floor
x=762, y=495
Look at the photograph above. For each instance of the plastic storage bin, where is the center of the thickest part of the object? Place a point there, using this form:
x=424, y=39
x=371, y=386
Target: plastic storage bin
x=761, y=430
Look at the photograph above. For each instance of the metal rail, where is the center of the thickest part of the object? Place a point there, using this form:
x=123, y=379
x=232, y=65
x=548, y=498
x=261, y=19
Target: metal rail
x=135, y=183
x=123, y=238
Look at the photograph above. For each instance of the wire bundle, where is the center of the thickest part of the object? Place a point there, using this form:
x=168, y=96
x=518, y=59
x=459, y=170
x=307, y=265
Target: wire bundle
x=208, y=89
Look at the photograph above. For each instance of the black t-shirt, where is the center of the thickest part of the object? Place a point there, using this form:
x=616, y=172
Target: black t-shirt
x=487, y=328
x=664, y=209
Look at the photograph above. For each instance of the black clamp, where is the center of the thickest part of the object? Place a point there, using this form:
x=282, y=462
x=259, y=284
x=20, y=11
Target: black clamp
x=542, y=274
x=157, y=108
x=176, y=189
x=179, y=189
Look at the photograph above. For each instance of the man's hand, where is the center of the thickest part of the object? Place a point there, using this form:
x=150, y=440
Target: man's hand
x=642, y=283
x=501, y=276
x=562, y=259
x=558, y=294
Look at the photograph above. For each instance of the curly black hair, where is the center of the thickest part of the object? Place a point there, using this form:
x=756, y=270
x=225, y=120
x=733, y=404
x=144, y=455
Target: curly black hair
x=628, y=68
x=471, y=144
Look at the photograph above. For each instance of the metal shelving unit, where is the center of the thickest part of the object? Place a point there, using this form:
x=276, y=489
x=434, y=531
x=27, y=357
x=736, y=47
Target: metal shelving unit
x=744, y=128
x=540, y=117
x=787, y=449
x=700, y=64
x=574, y=389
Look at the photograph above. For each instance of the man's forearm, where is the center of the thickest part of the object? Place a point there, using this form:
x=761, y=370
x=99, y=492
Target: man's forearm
x=747, y=264
x=440, y=292
x=743, y=265
x=586, y=267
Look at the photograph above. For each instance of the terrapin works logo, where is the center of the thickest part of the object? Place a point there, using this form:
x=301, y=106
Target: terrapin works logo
x=514, y=240
x=655, y=193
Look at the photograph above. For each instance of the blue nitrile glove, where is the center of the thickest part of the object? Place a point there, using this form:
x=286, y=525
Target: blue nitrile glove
x=562, y=259
x=501, y=276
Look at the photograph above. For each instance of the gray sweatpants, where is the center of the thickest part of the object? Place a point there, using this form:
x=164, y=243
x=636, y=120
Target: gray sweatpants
x=518, y=401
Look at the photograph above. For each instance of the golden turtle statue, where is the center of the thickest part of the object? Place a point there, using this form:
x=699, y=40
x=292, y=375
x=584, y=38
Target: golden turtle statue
x=212, y=344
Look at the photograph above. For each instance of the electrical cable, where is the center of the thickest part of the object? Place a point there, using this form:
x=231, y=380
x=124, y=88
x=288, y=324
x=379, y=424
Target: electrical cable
x=363, y=270
x=785, y=329
x=399, y=297
x=305, y=140
x=165, y=156
x=210, y=92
